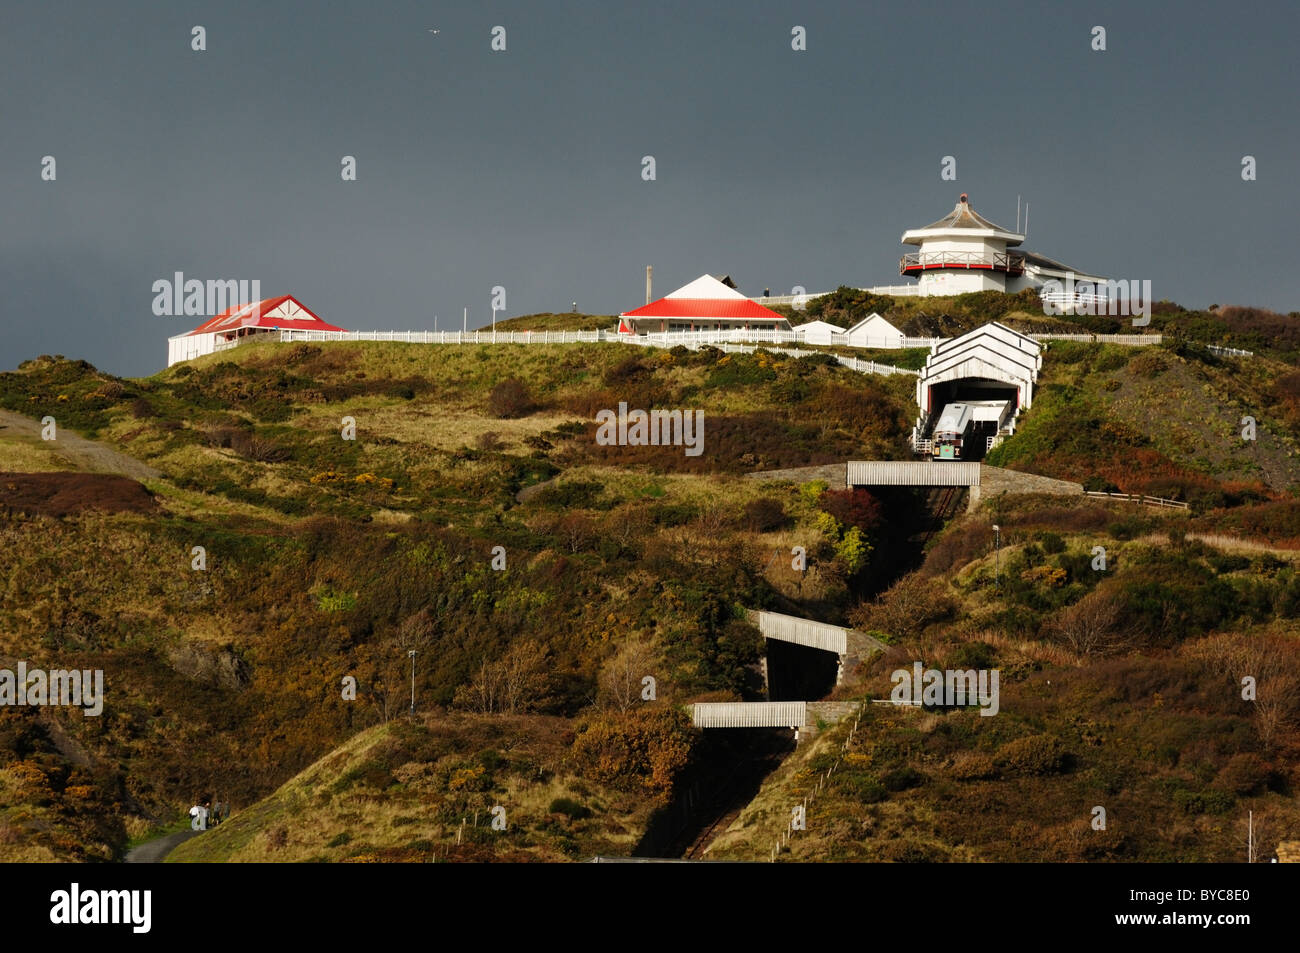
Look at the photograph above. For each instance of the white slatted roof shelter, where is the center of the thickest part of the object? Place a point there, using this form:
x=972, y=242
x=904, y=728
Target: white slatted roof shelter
x=749, y=714
x=815, y=635
x=993, y=352
x=907, y=473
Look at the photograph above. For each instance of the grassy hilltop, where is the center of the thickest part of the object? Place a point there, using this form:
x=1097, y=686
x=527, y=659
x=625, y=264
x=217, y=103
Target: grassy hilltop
x=329, y=558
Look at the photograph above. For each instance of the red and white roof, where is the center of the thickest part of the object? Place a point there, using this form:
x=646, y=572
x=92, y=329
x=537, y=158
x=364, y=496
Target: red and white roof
x=704, y=298
x=285, y=312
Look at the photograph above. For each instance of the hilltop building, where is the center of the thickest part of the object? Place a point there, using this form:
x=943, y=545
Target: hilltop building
x=964, y=252
x=874, y=331
x=706, y=304
x=242, y=321
x=871, y=331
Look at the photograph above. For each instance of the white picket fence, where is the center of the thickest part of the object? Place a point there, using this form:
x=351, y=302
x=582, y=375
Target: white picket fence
x=1136, y=340
x=454, y=337
x=853, y=363
x=1139, y=498
x=1228, y=351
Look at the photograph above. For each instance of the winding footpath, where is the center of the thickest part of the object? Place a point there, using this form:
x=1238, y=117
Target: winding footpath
x=153, y=851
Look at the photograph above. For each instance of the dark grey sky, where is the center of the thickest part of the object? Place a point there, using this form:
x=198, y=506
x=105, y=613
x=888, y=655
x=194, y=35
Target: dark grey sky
x=523, y=168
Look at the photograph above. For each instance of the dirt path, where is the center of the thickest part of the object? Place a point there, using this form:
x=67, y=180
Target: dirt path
x=84, y=454
x=153, y=851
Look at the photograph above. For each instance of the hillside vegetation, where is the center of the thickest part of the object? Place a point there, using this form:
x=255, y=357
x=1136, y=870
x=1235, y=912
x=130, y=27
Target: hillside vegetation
x=1120, y=688
x=328, y=558
x=540, y=576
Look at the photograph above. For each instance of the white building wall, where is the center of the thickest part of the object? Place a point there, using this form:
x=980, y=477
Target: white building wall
x=960, y=282
x=875, y=331
x=186, y=347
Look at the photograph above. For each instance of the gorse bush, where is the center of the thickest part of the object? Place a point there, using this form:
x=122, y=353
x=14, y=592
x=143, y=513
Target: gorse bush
x=510, y=398
x=1032, y=755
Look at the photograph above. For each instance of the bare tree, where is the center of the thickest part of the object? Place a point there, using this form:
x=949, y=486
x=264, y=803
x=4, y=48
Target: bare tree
x=514, y=683
x=1275, y=704
x=524, y=677
x=904, y=609
x=1091, y=626
x=620, y=679
x=417, y=631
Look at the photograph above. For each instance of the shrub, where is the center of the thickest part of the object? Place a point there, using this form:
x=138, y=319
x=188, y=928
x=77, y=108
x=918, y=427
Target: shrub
x=1100, y=485
x=1033, y=755
x=255, y=447
x=972, y=766
x=570, y=808
x=764, y=515
x=906, y=608
x=1052, y=543
x=643, y=749
x=973, y=655
x=1148, y=363
x=571, y=494
x=1204, y=802
x=1245, y=774
x=142, y=409
x=855, y=507
x=903, y=778
x=862, y=787
x=510, y=398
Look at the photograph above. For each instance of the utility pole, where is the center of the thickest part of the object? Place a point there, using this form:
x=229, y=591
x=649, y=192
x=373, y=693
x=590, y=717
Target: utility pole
x=464, y=321
x=997, y=554
x=411, y=653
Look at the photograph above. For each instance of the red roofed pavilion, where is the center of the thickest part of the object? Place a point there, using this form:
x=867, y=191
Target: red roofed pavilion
x=244, y=320
x=706, y=304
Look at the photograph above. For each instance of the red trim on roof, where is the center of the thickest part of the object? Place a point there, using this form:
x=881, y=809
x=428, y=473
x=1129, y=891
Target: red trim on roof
x=730, y=308
x=231, y=319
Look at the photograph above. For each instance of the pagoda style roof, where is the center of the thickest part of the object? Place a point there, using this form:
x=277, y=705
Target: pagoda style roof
x=962, y=219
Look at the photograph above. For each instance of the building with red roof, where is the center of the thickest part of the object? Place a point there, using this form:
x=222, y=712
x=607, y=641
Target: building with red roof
x=706, y=304
x=242, y=321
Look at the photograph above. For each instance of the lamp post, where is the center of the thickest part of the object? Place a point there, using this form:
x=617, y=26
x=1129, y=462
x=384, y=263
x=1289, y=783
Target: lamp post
x=411, y=654
x=997, y=552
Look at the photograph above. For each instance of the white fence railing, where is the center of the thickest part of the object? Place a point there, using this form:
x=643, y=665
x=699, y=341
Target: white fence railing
x=654, y=339
x=453, y=337
x=686, y=338
x=1139, y=498
x=729, y=336
x=1228, y=351
x=1136, y=340
x=896, y=291
x=1067, y=302
x=853, y=363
